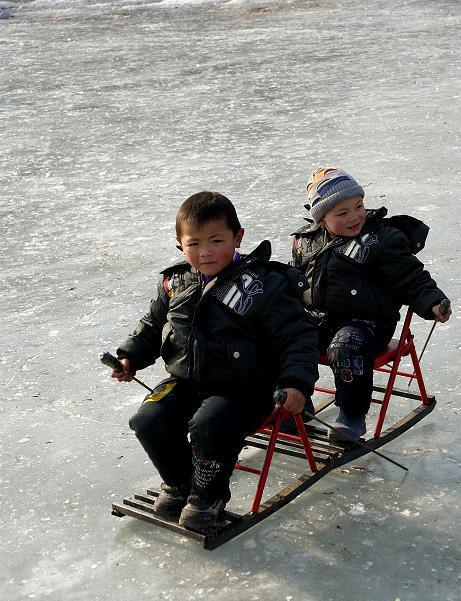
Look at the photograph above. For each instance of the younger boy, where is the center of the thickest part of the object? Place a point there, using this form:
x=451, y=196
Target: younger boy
x=230, y=328
x=361, y=269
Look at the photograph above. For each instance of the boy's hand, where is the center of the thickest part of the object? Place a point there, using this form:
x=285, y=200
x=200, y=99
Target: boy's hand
x=439, y=316
x=295, y=400
x=127, y=375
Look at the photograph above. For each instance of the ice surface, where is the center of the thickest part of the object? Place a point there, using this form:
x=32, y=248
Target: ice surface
x=111, y=113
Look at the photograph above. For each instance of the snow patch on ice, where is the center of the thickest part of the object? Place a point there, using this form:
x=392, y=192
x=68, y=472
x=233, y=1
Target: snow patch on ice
x=358, y=509
x=427, y=209
x=408, y=513
x=250, y=544
x=186, y=2
x=60, y=573
x=132, y=400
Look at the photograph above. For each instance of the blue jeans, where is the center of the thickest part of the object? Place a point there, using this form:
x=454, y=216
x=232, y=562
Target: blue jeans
x=351, y=346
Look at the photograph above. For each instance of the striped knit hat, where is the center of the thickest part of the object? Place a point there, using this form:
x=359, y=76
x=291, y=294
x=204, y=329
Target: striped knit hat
x=327, y=187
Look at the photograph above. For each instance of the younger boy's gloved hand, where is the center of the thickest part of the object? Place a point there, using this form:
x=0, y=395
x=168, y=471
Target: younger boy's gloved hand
x=441, y=315
x=127, y=375
x=295, y=400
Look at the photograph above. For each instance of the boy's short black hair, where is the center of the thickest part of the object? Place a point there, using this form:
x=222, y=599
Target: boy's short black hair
x=207, y=206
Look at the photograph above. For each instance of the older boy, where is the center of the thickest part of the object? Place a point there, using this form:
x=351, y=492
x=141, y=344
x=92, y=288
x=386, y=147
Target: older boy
x=230, y=329
x=361, y=269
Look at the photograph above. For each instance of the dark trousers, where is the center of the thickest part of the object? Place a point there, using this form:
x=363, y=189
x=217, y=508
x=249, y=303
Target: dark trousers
x=194, y=440
x=351, y=346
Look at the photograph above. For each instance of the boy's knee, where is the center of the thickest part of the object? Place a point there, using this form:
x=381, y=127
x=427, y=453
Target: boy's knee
x=203, y=428
x=350, y=353
x=349, y=341
x=144, y=420
x=137, y=423
x=214, y=424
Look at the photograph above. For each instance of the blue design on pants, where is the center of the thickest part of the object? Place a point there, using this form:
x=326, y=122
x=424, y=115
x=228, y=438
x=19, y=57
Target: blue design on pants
x=351, y=346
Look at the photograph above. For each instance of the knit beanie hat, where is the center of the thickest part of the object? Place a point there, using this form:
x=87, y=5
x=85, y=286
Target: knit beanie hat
x=327, y=187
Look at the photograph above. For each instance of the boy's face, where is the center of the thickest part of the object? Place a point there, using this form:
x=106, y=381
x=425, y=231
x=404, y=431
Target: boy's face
x=211, y=247
x=346, y=218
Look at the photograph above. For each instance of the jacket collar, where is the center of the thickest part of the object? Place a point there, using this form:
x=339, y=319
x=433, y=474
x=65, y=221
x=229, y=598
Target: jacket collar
x=261, y=254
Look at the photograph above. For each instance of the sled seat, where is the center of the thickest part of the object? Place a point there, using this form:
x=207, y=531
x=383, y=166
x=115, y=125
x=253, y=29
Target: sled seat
x=389, y=362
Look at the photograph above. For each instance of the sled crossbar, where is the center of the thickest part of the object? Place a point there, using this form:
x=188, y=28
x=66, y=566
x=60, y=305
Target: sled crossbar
x=327, y=458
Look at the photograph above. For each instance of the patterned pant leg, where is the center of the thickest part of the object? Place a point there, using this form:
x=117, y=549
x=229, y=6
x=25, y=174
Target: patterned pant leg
x=351, y=356
x=217, y=432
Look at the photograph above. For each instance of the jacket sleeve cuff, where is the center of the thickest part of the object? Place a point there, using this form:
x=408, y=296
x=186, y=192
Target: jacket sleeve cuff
x=128, y=350
x=425, y=311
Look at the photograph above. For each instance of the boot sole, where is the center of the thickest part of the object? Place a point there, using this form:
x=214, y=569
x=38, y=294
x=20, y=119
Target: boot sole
x=196, y=523
x=338, y=437
x=200, y=521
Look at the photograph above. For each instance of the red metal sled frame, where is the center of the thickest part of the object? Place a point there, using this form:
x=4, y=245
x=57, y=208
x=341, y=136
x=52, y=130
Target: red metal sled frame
x=272, y=429
x=396, y=350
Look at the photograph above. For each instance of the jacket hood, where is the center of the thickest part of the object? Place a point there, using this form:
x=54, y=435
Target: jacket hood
x=261, y=253
x=373, y=214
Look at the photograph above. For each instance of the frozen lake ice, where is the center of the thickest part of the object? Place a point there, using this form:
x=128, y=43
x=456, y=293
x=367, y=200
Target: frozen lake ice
x=112, y=112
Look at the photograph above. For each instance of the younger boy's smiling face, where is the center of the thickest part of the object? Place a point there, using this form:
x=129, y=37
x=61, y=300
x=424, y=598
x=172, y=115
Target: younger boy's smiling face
x=347, y=218
x=209, y=247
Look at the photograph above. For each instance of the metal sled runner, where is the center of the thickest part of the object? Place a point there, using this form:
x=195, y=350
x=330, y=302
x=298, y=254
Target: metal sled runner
x=310, y=445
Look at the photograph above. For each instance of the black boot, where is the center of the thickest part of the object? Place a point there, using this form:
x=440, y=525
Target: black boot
x=348, y=428
x=199, y=515
x=171, y=501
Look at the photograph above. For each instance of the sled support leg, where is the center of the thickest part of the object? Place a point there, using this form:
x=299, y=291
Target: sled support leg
x=278, y=416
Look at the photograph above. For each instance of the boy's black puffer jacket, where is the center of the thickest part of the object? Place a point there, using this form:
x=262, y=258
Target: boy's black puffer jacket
x=370, y=276
x=245, y=328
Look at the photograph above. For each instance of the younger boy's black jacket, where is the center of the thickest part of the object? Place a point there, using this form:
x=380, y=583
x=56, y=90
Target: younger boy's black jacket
x=246, y=329
x=370, y=276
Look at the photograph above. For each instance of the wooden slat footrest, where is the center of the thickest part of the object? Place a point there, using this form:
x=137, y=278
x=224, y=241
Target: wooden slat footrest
x=140, y=506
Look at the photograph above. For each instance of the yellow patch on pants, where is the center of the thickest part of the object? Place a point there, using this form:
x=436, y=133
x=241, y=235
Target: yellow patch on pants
x=160, y=393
